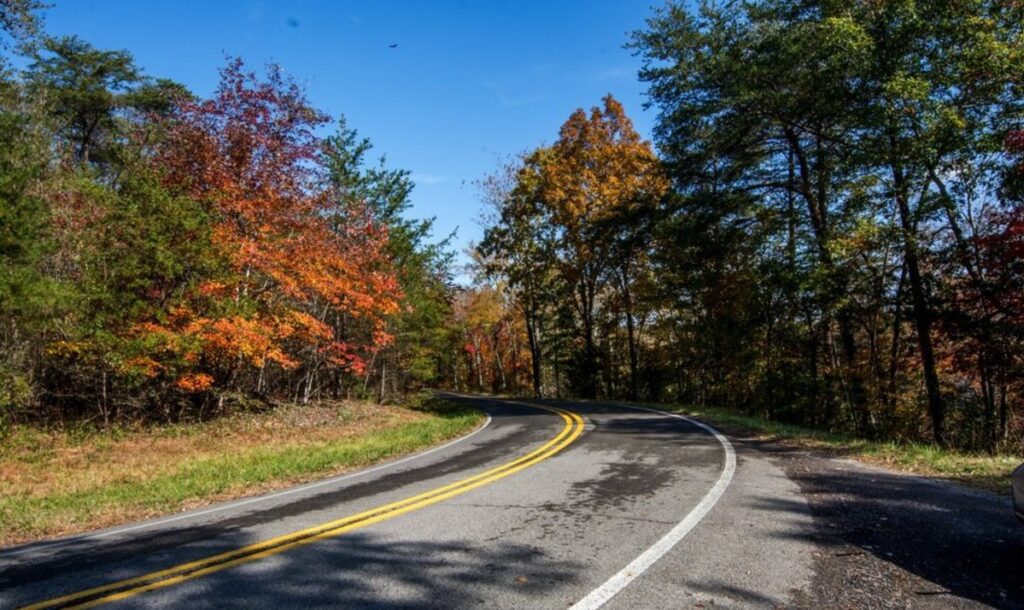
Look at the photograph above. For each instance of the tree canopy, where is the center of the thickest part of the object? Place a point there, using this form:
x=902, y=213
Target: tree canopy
x=840, y=182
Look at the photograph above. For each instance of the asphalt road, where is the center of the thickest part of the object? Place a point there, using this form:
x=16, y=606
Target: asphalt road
x=546, y=506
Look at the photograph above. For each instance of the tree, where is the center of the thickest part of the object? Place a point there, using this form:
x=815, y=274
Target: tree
x=519, y=247
x=297, y=254
x=422, y=267
x=569, y=224
x=941, y=90
x=598, y=169
x=86, y=90
x=162, y=254
x=855, y=147
x=26, y=294
x=19, y=22
x=755, y=111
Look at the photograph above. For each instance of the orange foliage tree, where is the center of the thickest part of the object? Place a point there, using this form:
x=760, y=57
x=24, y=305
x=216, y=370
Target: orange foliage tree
x=295, y=255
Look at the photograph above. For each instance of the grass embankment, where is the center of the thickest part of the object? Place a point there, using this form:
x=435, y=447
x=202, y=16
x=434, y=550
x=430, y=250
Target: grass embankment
x=57, y=483
x=991, y=472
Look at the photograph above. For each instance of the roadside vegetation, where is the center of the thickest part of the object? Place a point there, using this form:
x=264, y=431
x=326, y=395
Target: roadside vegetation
x=166, y=257
x=200, y=297
x=61, y=482
x=984, y=470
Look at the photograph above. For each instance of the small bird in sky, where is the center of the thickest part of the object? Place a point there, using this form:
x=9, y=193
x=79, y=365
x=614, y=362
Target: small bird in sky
x=393, y=46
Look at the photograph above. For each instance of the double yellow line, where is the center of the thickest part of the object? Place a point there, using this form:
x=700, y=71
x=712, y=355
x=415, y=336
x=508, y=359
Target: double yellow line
x=194, y=569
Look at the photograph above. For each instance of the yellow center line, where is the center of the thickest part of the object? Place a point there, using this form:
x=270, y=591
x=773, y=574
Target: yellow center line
x=194, y=569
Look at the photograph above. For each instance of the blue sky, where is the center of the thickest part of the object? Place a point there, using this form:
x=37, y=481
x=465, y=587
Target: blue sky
x=469, y=84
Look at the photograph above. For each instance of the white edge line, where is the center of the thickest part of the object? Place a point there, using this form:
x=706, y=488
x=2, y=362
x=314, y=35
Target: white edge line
x=60, y=542
x=601, y=595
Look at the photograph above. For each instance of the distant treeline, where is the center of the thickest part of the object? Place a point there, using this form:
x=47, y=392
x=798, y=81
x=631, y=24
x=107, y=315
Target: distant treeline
x=832, y=232
x=165, y=257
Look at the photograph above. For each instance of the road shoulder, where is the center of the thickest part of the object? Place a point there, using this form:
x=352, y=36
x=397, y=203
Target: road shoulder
x=755, y=549
x=888, y=539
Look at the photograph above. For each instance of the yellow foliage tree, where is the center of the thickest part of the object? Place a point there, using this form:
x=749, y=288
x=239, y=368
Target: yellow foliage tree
x=595, y=183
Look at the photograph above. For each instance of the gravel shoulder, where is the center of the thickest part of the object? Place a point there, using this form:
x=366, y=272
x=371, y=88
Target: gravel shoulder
x=888, y=539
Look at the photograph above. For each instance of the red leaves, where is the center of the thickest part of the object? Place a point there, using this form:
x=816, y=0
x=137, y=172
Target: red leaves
x=1002, y=253
x=252, y=156
x=1015, y=141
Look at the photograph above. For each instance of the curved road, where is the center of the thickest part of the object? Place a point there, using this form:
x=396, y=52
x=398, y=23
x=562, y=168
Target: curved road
x=549, y=505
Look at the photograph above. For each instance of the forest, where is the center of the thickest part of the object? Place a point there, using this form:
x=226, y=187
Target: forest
x=827, y=229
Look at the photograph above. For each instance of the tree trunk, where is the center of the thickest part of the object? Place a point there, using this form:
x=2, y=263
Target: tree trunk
x=857, y=395
x=812, y=182
x=455, y=369
x=630, y=335
x=590, y=375
x=503, y=383
x=479, y=362
x=1004, y=413
x=922, y=311
x=535, y=355
x=897, y=327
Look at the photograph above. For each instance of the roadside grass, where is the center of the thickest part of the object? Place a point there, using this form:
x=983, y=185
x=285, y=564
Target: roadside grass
x=983, y=471
x=57, y=483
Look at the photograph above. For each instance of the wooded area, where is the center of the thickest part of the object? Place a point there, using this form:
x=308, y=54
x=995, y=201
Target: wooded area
x=831, y=234
x=167, y=257
x=828, y=230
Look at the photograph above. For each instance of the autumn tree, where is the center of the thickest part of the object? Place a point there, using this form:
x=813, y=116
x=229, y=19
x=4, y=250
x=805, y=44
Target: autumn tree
x=162, y=256
x=417, y=354
x=983, y=308
x=598, y=170
x=519, y=249
x=838, y=244
x=492, y=352
x=250, y=155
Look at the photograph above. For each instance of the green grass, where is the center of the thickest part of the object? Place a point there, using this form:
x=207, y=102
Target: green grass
x=26, y=516
x=984, y=471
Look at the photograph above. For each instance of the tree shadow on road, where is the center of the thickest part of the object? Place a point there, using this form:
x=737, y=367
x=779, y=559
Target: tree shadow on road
x=955, y=540
x=963, y=541
x=363, y=571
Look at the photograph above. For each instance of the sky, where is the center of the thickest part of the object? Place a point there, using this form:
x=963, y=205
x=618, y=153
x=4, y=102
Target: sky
x=470, y=83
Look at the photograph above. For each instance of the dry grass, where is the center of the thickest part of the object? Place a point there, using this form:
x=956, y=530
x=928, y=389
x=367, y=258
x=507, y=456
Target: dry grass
x=58, y=483
x=39, y=463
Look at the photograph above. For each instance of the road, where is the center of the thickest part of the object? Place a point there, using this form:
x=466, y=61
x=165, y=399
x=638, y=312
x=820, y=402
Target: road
x=548, y=505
